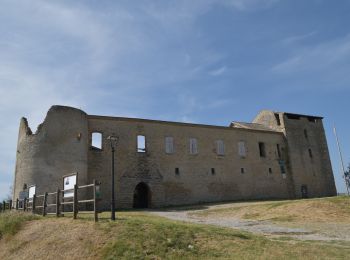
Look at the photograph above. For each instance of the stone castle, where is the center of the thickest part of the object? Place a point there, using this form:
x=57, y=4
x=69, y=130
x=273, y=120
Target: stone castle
x=159, y=163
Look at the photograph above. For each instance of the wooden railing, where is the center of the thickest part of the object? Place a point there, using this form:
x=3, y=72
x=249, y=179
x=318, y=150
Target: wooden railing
x=33, y=204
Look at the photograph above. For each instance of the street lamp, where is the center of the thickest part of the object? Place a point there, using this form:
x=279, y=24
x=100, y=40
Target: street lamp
x=113, y=141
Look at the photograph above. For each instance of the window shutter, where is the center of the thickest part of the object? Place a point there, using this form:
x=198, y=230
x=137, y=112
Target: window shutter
x=220, y=147
x=169, y=144
x=241, y=149
x=193, y=146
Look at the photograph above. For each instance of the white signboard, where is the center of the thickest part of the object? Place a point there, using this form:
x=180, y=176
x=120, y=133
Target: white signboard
x=68, y=183
x=31, y=192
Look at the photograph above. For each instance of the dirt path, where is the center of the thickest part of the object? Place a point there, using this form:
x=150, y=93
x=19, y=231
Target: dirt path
x=255, y=226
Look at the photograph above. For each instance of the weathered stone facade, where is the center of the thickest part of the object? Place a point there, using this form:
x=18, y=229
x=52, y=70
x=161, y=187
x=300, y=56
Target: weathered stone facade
x=278, y=156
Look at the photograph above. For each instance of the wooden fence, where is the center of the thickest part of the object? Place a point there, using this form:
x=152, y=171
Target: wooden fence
x=43, y=202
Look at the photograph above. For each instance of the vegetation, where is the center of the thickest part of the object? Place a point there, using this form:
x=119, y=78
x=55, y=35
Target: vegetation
x=332, y=209
x=142, y=235
x=11, y=222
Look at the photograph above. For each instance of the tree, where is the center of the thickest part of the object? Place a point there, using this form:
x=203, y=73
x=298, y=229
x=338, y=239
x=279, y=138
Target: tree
x=347, y=177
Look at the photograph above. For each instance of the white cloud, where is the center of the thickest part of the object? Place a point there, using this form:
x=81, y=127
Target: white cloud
x=218, y=72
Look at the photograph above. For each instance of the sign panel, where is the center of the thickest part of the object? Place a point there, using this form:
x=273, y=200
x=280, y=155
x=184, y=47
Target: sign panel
x=68, y=183
x=31, y=192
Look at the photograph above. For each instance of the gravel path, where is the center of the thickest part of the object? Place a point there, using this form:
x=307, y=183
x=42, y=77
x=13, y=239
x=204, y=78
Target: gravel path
x=258, y=227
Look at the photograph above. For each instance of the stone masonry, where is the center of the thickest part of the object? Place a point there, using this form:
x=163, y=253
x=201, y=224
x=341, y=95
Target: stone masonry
x=278, y=156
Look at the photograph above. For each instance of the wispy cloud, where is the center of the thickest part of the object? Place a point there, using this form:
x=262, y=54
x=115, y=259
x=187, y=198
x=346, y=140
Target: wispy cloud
x=218, y=71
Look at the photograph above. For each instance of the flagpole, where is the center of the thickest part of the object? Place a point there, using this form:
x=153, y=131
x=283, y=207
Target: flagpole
x=341, y=158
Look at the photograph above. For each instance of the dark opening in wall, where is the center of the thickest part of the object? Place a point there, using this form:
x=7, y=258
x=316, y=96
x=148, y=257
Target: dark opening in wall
x=306, y=134
x=278, y=151
x=177, y=171
x=312, y=119
x=270, y=170
x=262, y=151
x=278, y=120
x=310, y=153
x=96, y=141
x=212, y=171
x=291, y=116
x=141, y=144
x=242, y=170
x=283, y=169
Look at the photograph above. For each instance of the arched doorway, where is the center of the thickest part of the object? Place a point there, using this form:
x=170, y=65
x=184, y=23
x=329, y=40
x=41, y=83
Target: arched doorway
x=142, y=196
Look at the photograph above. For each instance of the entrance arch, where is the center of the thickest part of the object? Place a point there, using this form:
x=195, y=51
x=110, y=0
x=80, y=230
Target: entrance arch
x=142, y=196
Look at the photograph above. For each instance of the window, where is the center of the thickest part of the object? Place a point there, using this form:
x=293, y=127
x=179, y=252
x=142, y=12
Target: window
x=220, y=147
x=277, y=116
x=270, y=170
x=310, y=153
x=282, y=168
x=242, y=170
x=169, y=145
x=96, y=141
x=141, y=144
x=193, y=146
x=68, y=184
x=305, y=134
x=31, y=191
x=241, y=149
x=177, y=171
x=278, y=151
x=262, y=151
x=312, y=119
x=212, y=171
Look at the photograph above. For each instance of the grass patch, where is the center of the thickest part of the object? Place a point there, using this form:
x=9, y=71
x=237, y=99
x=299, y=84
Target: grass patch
x=11, y=222
x=143, y=236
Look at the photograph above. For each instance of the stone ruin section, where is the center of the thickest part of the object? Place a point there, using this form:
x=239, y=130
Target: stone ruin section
x=159, y=163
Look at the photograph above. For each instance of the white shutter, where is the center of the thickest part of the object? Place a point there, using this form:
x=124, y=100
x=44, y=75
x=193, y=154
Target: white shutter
x=220, y=147
x=193, y=146
x=241, y=149
x=169, y=144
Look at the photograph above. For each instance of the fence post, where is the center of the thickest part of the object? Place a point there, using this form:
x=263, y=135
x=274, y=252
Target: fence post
x=3, y=206
x=95, y=205
x=10, y=206
x=45, y=204
x=58, y=203
x=24, y=204
x=33, y=204
x=17, y=203
x=75, y=202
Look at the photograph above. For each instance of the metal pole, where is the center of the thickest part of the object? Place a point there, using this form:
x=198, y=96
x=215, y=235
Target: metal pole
x=113, y=198
x=341, y=159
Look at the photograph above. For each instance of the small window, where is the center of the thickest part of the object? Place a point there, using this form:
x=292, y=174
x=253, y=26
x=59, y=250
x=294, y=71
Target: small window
x=212, y=171
x=242, y=170
x=141, y=144
x=242, y=149
x=305, y=134
x=193, y=146
x=270, y=170
x=312, y=119
x=283, y=169
x=310, y=153
x=177, y=171
x=220, y=147
x=277, y=116
x=31, y=191
x=262, y=151
x=96, y=141
x=169, y=145
x=278, y=151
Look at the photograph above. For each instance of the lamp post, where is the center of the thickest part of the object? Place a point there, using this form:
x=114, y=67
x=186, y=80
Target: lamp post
x=113, y=141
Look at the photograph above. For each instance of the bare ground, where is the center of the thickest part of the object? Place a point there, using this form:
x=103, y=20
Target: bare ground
x=304, y=220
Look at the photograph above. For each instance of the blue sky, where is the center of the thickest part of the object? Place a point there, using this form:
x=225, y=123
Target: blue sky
x=207, y=61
